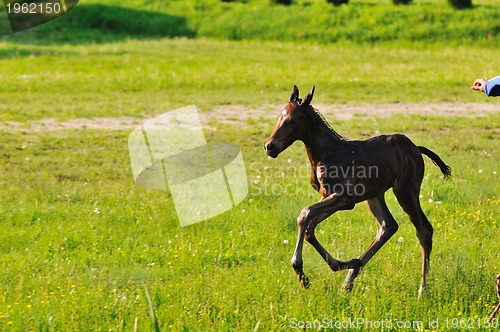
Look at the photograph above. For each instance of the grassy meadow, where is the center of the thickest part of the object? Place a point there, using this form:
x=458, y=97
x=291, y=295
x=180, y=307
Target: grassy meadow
x=84, y=249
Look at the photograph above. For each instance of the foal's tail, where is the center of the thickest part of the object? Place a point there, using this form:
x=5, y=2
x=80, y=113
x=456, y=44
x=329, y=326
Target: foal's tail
x=445, y=169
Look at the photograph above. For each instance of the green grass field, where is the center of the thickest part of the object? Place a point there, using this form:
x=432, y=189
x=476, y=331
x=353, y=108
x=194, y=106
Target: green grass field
x=137, y=78
x=84, y=249
x=80, y=243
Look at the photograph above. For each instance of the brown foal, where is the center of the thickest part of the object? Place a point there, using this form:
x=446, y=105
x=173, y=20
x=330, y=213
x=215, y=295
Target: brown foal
x=347, y=172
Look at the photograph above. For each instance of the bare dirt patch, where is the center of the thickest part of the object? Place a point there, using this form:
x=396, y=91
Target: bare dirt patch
x=238, y=114
x=348, y=112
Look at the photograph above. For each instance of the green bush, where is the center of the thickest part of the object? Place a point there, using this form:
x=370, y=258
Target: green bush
x=337, y=2
x=401, y=2
x=460, y=4
x=282, y=2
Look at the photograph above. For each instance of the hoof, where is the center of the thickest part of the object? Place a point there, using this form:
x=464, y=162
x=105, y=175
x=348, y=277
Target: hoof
x=354, y=264
x=348, y=286
x=304, y=280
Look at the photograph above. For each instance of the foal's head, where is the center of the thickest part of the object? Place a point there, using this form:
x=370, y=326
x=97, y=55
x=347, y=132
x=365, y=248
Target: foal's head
x=291, y=125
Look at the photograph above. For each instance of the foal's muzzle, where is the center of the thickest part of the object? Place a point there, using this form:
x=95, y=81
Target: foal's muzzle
x=271, y=149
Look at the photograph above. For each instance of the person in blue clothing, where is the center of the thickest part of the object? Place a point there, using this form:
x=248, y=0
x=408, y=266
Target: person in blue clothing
x=490, y=87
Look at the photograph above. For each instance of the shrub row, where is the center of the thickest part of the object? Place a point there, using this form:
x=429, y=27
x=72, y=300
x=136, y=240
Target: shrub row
x=458, y=4
x=316, y=21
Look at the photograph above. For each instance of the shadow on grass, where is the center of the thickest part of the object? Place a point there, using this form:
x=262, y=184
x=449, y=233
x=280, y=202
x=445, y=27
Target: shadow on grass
x=98, y=23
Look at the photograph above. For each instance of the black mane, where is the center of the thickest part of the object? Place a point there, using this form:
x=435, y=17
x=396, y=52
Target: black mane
x=318, y=116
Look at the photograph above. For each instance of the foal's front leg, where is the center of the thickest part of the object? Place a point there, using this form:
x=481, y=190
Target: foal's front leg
x=310, y=217
x=297, y=263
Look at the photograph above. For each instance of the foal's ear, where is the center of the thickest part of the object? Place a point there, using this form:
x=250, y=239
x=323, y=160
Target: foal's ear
x=295, y=94
x=307, y=100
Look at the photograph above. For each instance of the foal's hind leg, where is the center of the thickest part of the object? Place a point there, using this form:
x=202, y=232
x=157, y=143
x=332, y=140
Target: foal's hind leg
x=386, y=227
x=411, y=205
x=334, y=264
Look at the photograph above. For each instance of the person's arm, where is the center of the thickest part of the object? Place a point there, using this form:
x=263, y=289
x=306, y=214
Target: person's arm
x=492, y=87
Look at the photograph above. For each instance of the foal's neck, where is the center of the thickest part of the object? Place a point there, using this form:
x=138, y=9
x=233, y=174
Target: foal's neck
x=321, y=138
